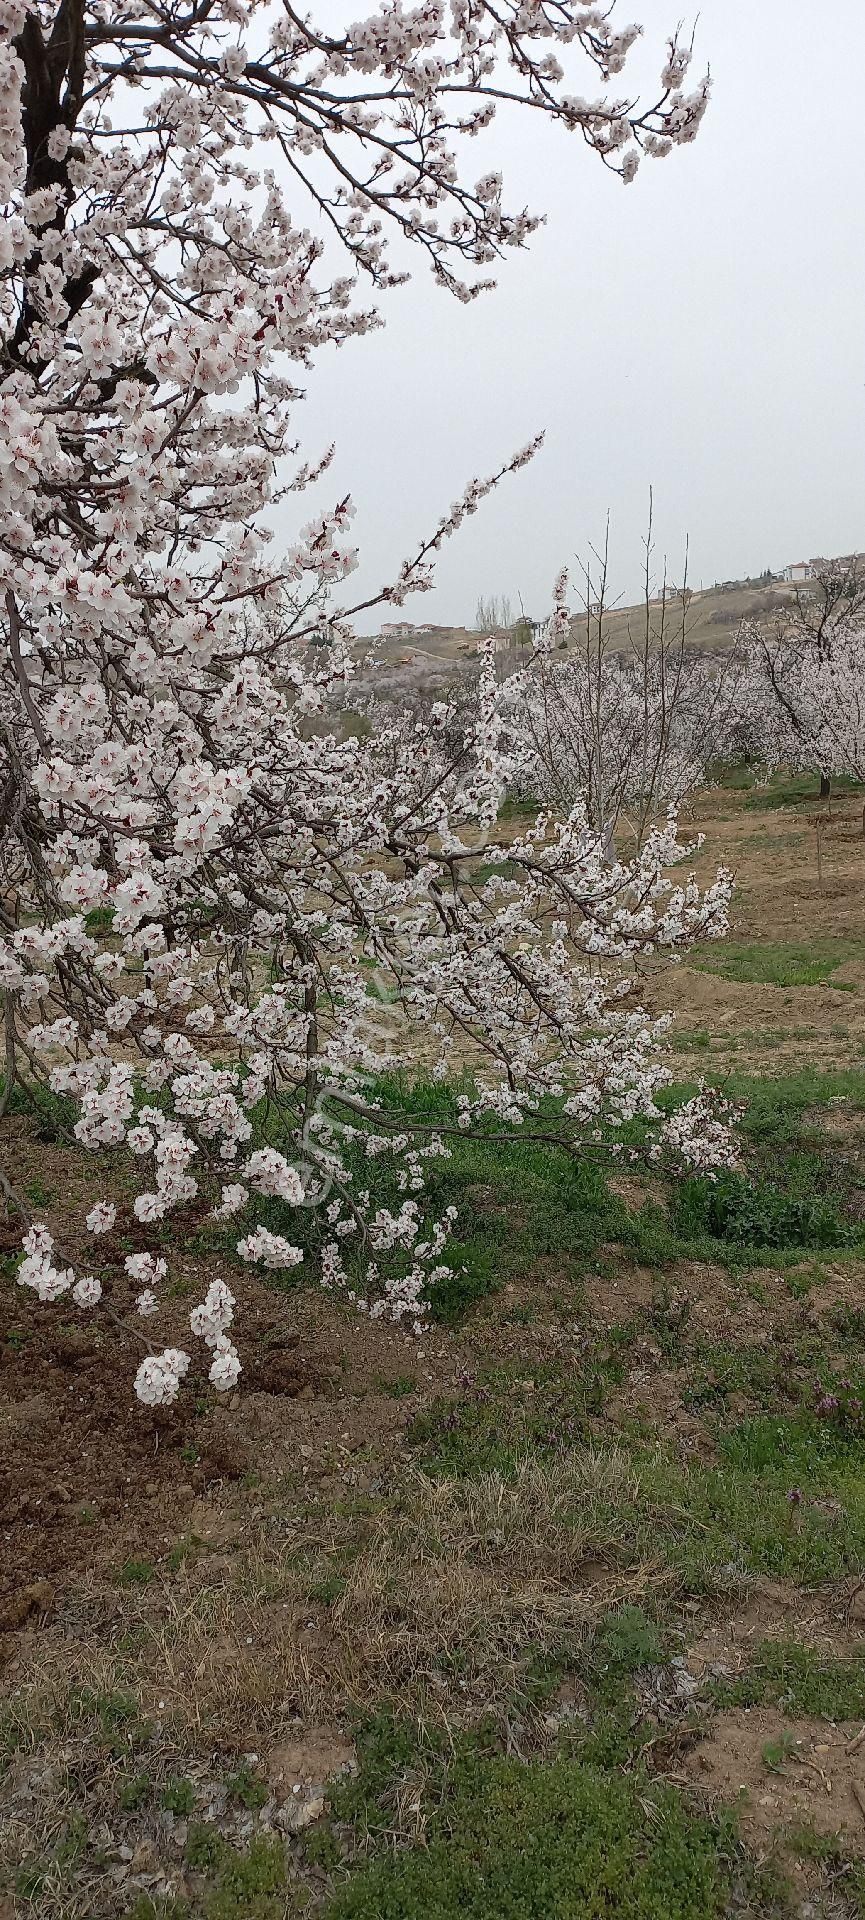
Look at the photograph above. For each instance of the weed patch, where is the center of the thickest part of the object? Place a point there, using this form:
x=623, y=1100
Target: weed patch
x=507, y=1416
x=532, y=1841
x=800, y=1681
x=750, y=1213
x=794, y=790
x=774, y=963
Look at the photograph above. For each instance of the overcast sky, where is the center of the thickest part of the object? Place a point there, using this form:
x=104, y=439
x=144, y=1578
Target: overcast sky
x=700, y=331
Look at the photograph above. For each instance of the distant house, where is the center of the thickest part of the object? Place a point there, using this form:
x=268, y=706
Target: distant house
x=797, y=571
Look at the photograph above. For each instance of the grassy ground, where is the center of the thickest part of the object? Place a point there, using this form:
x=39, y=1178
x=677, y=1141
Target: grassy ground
x=553, y=1614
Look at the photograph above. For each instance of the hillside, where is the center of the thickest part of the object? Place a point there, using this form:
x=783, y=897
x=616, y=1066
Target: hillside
x=428, y=657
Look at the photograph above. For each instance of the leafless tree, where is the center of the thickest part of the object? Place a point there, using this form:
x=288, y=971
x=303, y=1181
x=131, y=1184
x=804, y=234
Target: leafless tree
x=494, y=615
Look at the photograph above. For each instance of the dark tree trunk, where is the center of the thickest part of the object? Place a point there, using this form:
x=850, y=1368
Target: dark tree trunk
x=825, y=785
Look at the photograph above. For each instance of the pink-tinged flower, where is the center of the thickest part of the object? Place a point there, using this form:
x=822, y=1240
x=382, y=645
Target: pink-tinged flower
x=101, y=1218
x=87, y=1292
x=269, y=1249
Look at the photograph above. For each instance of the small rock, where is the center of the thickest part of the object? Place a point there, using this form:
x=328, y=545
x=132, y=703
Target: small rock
x=301, y=1812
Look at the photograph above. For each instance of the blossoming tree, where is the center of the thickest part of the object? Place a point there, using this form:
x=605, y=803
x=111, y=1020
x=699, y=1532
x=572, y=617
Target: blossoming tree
x=626, y=723
x=196, y=884
x=805, y=686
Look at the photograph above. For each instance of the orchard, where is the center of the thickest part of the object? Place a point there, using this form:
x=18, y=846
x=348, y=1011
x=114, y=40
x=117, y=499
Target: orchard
x=432, y=1233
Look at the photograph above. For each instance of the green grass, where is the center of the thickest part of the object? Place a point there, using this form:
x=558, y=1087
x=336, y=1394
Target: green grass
x=776, y=1752
x=519, y=1203
x=528, y=1210
x=55, y=1114
x=779, y=789
x=510, y=1413
x=733, y=776
x=776, y=1105
x=776, y=963
x=786, y=1500
x=495, y=870
x=758, y=1214
x=700, y=1040
x=136, y=1573
x=247, y=1787
x=178, y=1797
x=626, y=1643
x=247, y=1884
x=767, y=1376
x=799, y=1680
x=524, y=808
x=505, y=1840
x=802, y=1186
x=398, y=1388
x=829, y=1851
x=795, y=790
x=803, y=1448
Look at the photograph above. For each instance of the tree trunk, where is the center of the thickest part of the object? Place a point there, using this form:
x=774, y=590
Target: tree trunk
x=825, y=785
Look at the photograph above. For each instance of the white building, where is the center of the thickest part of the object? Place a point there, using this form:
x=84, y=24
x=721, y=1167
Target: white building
x=798, y=570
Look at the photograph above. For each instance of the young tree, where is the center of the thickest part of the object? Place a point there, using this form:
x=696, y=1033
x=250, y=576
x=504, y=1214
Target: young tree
x=196, y=885
x=626, y=723
x=807, y=709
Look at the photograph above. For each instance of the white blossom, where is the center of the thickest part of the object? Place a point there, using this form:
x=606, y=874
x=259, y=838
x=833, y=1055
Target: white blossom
x=87, y=1292
x=101, y=1218
x=157, y=1382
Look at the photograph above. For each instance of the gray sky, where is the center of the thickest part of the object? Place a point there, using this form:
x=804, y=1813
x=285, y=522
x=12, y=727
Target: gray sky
x=700, y=331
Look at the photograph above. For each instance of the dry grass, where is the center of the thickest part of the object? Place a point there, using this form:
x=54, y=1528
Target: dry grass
x=458, y=1576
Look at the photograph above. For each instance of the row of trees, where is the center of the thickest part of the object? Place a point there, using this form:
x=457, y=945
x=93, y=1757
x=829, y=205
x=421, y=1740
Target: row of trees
x=627, y=729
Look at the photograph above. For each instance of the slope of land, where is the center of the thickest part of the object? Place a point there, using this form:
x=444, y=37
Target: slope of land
x=425, y=659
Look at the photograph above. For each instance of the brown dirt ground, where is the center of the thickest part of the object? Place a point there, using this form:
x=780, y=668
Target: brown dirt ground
x=818, y=1782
